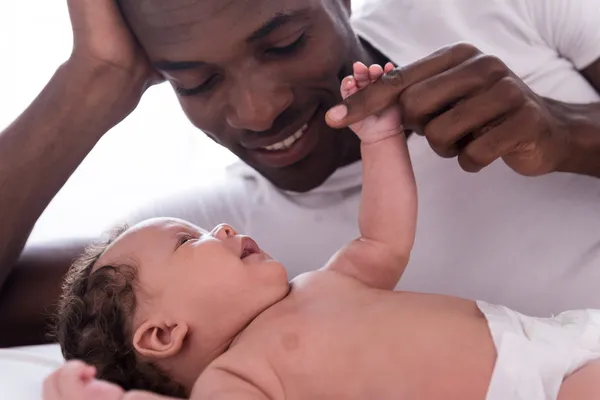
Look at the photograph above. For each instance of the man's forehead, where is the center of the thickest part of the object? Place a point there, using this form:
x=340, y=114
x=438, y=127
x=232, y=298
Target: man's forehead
x=180, y=13
x=159, y=22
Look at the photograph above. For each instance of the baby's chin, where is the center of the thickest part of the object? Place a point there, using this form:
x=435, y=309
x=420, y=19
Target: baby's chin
x=277, y=272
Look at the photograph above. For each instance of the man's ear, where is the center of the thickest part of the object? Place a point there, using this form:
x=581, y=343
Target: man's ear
x=159, y=340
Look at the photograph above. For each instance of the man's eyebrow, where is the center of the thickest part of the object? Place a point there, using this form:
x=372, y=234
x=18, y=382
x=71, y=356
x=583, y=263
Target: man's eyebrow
x=166, y=65
x=277, y=21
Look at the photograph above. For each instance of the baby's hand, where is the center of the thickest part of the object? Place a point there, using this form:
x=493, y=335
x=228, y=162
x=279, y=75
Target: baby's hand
x=76, y=381
x=375, y=127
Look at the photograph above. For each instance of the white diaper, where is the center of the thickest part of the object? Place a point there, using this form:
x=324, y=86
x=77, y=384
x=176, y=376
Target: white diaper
x=536, y=354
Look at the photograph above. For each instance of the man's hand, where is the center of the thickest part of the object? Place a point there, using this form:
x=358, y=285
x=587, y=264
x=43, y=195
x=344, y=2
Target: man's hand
x=104, y=44
x=470, y=105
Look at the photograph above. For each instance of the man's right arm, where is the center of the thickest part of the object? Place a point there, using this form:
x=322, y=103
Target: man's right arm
x=29, y=296
x=38, y=153
x=94, y=90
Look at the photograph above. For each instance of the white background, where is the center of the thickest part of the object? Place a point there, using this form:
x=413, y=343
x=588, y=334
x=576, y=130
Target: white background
x=154, y=152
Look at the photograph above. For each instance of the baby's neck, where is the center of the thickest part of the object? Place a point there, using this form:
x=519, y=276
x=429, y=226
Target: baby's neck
x=237, y=336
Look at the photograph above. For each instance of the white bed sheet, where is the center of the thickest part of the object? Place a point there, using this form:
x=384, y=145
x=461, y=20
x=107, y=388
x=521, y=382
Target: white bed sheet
x=23, y=369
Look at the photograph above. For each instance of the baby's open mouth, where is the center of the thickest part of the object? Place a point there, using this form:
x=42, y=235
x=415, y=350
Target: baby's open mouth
x=249, y=247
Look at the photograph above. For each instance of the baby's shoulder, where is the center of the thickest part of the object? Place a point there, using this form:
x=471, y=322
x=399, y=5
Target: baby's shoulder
x=323, y=279
x=308, y=279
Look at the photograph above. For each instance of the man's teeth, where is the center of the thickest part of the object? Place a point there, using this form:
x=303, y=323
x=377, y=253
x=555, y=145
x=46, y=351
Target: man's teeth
x=287, y=143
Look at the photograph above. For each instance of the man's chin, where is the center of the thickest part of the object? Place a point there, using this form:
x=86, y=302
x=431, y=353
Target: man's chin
x=297, y=179
x=332, y=150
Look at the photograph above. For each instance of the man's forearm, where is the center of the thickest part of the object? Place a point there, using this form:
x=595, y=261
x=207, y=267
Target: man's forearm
x=30, y=294
x=583, y=123
x=43, y=147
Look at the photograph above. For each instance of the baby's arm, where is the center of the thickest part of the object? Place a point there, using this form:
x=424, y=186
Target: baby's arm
x=388, y=209
x=76, y=381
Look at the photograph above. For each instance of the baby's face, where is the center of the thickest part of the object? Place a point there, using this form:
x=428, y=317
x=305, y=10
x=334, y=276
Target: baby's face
x=212, y=283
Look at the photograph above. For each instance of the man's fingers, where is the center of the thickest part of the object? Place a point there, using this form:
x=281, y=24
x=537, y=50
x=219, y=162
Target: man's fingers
x=495, y=142
x=446, y=130
x=430, y=97
x=87, y=13
x=385, y=91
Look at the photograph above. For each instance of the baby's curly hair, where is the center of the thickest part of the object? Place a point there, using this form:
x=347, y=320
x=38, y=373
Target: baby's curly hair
x=93, y=323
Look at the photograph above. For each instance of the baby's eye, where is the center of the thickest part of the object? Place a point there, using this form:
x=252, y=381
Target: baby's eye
x=184, y=239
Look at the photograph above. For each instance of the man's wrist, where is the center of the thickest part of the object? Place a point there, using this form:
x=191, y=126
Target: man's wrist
x=582, y=123
x=103, y=93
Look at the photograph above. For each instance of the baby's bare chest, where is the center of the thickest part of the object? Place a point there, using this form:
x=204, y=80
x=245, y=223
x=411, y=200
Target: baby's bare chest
x=355, y=343
x=317, y=338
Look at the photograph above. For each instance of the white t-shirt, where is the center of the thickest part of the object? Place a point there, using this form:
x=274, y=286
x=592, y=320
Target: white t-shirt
x=532, y=244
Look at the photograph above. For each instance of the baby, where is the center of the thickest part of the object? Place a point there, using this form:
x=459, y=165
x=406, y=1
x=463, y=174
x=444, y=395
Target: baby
x=172, y=309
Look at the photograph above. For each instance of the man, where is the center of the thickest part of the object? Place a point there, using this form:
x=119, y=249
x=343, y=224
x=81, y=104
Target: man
x=258, y=77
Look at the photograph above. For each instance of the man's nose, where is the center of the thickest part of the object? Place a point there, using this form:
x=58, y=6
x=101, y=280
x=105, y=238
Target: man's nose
x=256, y=103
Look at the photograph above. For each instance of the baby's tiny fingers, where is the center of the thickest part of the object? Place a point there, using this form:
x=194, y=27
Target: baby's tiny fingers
x=375, y=72
x=50, y=386
x=348, y=87
x=87, y=373
x=388, y=67
x=361, y=74
x=72, y=375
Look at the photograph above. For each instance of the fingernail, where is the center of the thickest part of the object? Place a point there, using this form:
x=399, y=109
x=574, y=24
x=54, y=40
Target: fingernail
x=337, y=113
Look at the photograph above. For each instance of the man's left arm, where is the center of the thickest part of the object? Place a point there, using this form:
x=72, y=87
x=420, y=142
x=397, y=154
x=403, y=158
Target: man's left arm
x=471, y=106
x=570, y=28
x=583, y=122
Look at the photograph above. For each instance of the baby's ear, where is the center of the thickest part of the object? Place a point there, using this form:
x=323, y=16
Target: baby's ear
x=159, y=340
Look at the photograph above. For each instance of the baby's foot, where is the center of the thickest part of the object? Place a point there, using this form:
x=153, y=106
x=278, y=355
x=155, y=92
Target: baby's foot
x=375, y=127
x=75, y=381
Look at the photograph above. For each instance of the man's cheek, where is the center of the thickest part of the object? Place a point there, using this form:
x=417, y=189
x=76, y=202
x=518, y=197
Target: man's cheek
x=334, y=64
x=201, y=116
x=326, y=72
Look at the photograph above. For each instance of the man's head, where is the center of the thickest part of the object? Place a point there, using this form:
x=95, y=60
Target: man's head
x=257, y=77
x=162, y=300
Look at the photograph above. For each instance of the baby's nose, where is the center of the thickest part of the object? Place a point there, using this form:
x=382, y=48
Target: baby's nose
x=223, y=232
